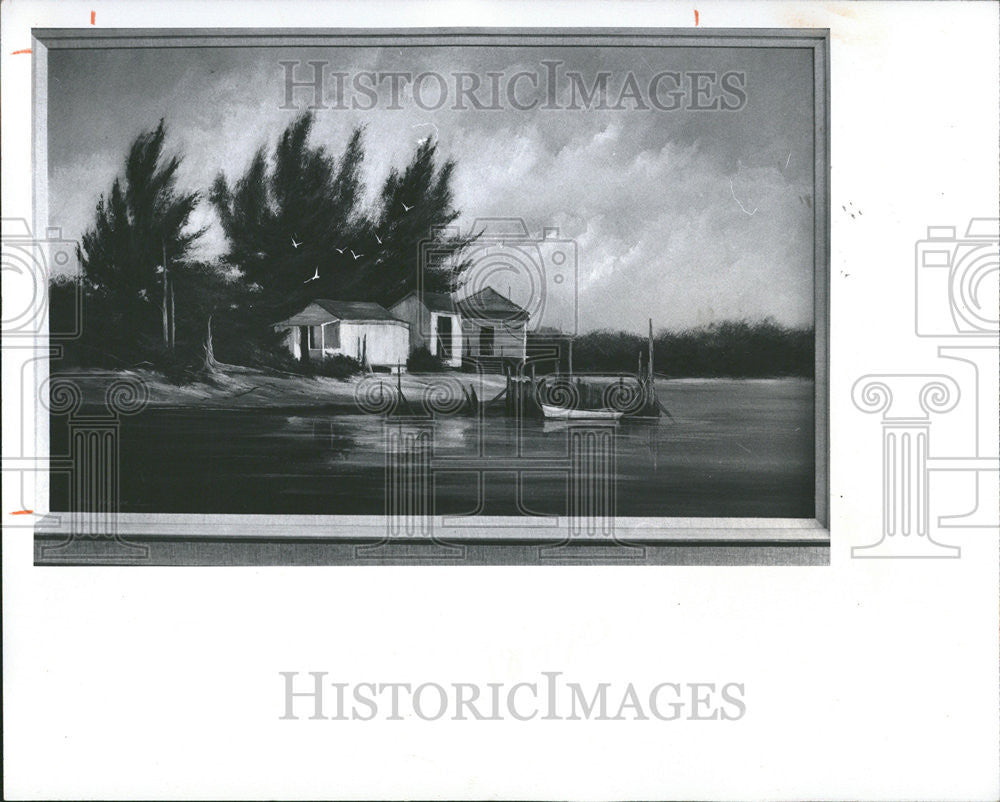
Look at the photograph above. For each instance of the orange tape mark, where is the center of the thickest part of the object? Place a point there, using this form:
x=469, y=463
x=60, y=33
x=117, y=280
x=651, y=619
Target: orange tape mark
x=696, y=17
x=19, y=52
x=93, y=17
x=23, y=512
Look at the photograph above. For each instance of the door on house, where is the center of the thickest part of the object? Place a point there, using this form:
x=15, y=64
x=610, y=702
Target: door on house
x=304, y=343
x=444, y=337
x=486, y=341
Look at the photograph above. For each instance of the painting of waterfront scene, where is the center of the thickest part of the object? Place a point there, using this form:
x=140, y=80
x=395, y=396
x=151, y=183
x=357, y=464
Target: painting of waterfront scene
x=439, y=280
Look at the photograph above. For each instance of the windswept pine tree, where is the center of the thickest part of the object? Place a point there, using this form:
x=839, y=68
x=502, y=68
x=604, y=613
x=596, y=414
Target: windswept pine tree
x=287, y=213
x=409, y=236
x=297, y=211
x=141, y=223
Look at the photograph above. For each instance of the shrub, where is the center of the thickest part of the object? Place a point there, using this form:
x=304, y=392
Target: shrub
x=423, y=361
x=338, y=366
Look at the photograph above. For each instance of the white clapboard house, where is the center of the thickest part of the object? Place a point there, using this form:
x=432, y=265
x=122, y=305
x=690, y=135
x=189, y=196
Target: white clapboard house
x=493, y=326
x=484, y=326
x=362, y=330
x=434, y=324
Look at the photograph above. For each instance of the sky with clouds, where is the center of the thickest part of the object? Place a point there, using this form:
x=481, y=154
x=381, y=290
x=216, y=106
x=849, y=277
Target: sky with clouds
x=686, y=216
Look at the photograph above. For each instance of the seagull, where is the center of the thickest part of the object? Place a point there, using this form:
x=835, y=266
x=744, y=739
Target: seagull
x=315, y=276
x=356, y=255
x=339, y=250
x=379, y=239
x=295, y=244
x=405, y=207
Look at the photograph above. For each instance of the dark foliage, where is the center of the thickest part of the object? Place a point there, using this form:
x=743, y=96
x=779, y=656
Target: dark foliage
x=140, y=225
x=338, y=366
x=298, y=211
x=286, y=215
x=423, y=361
x=732, y=348
x=418, y=249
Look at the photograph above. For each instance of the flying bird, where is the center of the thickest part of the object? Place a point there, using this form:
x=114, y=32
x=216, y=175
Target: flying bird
x=356, y=255
x=295, y=244
x=339, y=250
x=379, y=239
x=405, y=207
x=315, y=276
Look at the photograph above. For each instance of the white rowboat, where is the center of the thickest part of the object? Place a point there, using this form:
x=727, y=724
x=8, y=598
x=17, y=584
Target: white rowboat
x=561, y=413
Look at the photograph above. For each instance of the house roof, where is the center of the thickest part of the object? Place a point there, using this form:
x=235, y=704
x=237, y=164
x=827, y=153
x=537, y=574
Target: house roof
x=439, y=302
x=434, y=301
x=323, y=310
x=355, y=310
x=490, y=304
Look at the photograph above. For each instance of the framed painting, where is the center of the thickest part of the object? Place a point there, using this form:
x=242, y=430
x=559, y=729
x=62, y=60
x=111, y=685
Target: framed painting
x=435, y=295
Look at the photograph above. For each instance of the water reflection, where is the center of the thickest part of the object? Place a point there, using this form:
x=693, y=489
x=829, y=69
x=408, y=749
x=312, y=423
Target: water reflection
x=732, y=449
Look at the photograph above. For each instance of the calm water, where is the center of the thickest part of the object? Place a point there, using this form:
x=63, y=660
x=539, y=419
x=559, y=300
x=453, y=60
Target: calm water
x=734, y=448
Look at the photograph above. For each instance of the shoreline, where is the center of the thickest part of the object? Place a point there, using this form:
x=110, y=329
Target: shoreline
x=250, y=390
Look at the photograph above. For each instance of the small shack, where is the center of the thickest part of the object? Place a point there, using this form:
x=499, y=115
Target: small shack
x=494, y=326
x=362, y=330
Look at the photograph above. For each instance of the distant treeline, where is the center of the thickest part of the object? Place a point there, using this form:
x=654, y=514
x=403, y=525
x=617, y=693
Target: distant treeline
x=739, y=348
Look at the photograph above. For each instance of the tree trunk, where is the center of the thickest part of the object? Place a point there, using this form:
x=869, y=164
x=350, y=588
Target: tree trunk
x=210, y=365
x=173, y=319
x=651, y=350
x=166, y=327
